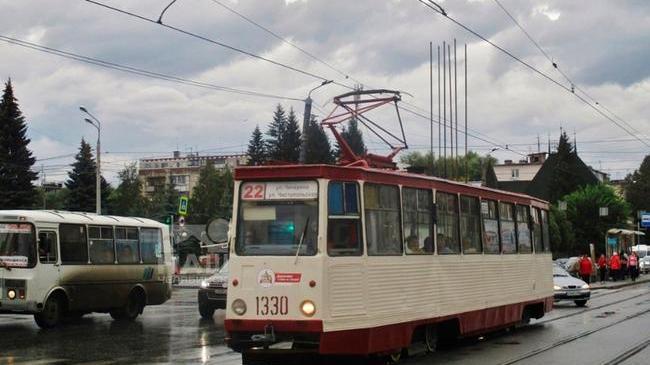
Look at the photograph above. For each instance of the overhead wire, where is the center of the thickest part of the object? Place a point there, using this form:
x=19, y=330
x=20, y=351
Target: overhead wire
x=138, y=71
x=557, y=67
x=530, y=67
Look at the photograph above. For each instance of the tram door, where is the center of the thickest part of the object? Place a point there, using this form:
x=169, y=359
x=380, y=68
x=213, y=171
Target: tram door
x=48, y=259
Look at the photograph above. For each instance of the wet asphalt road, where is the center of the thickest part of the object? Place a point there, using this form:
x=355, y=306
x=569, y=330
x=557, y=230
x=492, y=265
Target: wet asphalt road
x=613, y=328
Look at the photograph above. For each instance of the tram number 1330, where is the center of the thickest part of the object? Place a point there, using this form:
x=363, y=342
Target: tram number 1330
x=272, y=306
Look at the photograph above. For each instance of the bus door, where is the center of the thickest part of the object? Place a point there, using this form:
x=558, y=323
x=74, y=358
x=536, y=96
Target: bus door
x=48, y=260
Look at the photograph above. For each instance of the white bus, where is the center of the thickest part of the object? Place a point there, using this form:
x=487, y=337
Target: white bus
x=57, y=264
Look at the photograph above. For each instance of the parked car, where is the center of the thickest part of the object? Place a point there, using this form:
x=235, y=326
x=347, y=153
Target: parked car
x=644, y=257
x=212, y=294
x=569, y=288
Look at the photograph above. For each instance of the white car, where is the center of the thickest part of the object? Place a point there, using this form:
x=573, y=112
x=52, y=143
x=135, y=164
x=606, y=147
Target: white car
x=569, y=288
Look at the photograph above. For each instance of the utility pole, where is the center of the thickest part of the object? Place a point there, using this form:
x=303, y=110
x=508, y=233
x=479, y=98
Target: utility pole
x=444, y=102
x=466, y=160
x=456, y=104
x=43, y=187
x=439, y=121
x=431, y=103
x=98, y=186
x=305, y=121
x=451, y=116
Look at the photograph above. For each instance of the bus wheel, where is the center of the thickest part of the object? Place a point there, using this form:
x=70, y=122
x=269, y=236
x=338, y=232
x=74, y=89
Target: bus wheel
x=431, y=338
x=52, y=313
x=134, y=306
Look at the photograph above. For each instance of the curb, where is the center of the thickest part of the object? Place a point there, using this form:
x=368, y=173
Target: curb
x=621, y=285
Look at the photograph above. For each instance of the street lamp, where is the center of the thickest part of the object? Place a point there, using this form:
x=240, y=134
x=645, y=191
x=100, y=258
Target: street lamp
x=305, y=120
x=98, y=188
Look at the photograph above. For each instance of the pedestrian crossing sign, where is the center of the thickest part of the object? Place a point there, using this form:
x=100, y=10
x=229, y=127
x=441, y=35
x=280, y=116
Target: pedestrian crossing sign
x=182, y=205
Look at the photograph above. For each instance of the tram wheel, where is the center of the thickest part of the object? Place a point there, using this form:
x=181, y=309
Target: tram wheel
x=431, y=338
x=52, y=313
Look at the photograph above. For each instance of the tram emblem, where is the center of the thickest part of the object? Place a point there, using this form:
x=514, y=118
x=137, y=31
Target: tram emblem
x=265, y=278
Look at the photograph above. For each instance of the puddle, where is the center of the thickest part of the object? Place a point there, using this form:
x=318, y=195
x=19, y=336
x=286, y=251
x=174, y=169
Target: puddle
x=605, y=314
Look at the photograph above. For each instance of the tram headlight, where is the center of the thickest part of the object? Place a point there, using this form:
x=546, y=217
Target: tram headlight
x=239, y=307
x=555, y=287
x=308, y=308
x=11, y=294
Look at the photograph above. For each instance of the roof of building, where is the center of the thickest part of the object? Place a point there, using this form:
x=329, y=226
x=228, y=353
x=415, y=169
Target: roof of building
x=194, y=157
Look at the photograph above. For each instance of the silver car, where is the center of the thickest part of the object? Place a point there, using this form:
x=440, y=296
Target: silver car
x=212, y=294
x=569, y=288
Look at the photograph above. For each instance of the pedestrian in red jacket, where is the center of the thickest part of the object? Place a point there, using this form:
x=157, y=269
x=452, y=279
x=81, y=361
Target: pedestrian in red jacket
x=585, y=268
x=602, y=266
x=615, y=265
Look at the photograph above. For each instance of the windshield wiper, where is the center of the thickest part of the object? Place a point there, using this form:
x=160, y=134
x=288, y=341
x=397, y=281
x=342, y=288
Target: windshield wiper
x=302, y=238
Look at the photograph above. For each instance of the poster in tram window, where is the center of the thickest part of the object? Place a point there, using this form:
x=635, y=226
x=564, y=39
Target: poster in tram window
x=285, y=190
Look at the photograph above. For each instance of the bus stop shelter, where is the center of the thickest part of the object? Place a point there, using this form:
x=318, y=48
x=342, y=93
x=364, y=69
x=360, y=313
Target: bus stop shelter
x=619, y=239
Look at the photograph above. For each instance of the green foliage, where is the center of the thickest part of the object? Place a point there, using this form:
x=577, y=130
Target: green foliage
x=52, y=200
x=256, y=148
x=318, y=148
x=637, y=187
x=284, y=140
x=477, y=165
x=561, y=233
x=127, y=199
x=583, y=213
x=16, y=177
x=81, y=183
x=353, y=136
x=212, y=196
x=163, y=203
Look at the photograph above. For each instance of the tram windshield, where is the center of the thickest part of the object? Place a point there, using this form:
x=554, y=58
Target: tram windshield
x=278, y=219
x=17, y=245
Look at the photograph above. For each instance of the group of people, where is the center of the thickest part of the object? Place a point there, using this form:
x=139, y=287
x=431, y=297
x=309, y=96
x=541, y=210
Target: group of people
x=618, y=266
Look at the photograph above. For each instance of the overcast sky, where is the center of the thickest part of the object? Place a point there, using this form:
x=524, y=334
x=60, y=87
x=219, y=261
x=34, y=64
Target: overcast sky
x=601, y=45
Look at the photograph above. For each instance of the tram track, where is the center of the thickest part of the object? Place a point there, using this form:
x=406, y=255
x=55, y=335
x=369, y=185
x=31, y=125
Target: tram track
x=588, y=309
x=569, y=339
x=622, y=356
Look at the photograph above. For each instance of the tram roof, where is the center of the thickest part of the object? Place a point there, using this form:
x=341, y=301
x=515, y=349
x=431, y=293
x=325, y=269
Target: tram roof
x=58, y=216
x=283, y=172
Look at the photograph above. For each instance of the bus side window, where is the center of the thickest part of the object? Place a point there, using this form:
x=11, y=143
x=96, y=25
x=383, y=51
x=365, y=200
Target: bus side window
x=74, y=246
x=126, y=244
x=151, y=246
x=47, y=247
x=344, y=221
x=102, y=250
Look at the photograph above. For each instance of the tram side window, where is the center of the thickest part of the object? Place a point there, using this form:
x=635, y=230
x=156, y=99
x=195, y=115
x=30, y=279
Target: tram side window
x=470, y=224
x=383, y=225
x=102, y=250
x=344, y=221
x=74, y=247
x=491, y=241
x=507, y=218
x=126, y=243
x=537, y=231
x=447, y=223
x=546, y=239
x=151, y=246
x=417, y=206
x=523, y=229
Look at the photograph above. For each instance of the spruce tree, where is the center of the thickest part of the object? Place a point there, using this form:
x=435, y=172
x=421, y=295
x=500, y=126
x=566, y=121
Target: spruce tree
x=291, y=144
x=16, y=177
x=163, y=203
x=81, y=183
x=206, y=195
x=564, y=179
x=276, y=132
x=256, y=149
x=354, y=138
x=318, y=146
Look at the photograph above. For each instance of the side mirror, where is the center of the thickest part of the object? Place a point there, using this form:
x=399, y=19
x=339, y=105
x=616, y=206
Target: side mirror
x=217, y=230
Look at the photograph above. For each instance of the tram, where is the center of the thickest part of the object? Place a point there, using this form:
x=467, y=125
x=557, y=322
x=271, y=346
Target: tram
x=359, y=259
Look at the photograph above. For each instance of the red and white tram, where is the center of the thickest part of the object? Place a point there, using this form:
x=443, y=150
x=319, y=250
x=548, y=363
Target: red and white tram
x=363, y=260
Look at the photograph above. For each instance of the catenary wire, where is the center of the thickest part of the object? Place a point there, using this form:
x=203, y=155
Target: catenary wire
x=138, y=71
x=532, y=68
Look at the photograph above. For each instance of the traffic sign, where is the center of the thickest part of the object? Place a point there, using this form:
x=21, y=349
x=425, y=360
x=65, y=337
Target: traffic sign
x=645, y=219
x=182, y=205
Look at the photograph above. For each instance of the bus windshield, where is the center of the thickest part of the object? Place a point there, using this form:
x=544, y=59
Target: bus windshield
x=17, y=245
x=281, y=220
